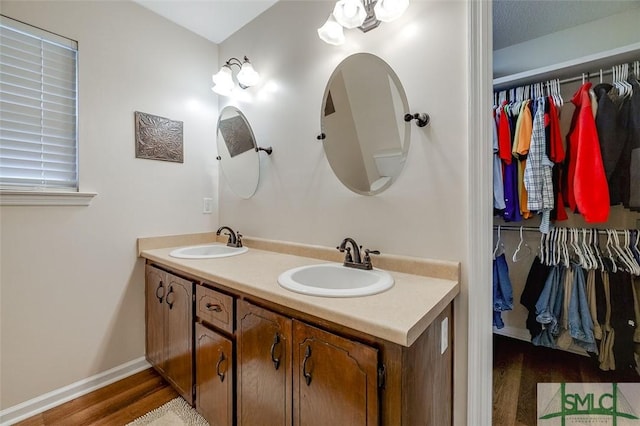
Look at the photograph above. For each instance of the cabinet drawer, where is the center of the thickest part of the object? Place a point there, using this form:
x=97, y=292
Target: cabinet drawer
x=215, y=308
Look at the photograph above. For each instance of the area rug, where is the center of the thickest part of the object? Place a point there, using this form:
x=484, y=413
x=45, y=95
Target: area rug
x=174, y=413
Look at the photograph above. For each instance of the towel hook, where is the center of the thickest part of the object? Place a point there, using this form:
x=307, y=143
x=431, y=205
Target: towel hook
x=422, y=118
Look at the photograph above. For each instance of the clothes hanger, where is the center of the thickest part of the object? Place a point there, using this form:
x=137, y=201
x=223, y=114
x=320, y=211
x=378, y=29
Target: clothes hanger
x=551, y=248
x=595, y=241
x=575, y=244
x=565, y=248
x=614, y=267
x=522, y=242
x=629, y=254
x=542, y=246
x=628, y=262
x=499, y=248
x=593, y=263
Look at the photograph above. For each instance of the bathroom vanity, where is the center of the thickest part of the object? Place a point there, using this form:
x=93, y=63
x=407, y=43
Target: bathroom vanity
x=243, y=350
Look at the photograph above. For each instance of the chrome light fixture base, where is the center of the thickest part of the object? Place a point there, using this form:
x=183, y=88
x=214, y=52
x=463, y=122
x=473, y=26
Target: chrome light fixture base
x=370, y=22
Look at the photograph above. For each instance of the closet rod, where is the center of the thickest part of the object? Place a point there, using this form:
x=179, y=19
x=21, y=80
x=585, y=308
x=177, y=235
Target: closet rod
x=537, y=229
x=607, y=71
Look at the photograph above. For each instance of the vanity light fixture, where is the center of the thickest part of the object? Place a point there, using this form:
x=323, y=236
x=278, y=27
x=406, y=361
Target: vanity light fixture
x=363, y=14
x=223, y=79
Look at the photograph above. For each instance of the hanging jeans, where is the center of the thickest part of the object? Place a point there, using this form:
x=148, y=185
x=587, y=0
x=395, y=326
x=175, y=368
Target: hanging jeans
x=580, y=323
x=502, y=290
x=549, y=308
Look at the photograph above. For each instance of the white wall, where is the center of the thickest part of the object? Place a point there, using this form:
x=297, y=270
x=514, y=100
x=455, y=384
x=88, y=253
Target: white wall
x=425, y=213
x=597, y=36
x=71, y=286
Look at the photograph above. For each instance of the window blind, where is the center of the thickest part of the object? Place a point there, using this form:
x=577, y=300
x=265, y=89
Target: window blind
x=38, y=109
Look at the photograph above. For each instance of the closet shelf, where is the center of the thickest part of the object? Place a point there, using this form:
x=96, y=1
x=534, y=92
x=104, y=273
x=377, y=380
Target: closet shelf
x=570, y=68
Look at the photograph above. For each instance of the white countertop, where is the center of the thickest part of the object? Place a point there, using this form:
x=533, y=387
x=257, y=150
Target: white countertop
x=399, y=315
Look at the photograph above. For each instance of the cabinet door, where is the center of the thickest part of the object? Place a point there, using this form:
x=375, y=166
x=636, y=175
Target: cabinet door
x=155, y=291
x=214, y=376
x=335, y=379
x=264, y=367
x=178, y=335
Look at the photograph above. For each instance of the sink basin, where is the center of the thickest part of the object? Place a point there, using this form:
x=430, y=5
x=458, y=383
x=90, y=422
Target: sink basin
x=208, y=251
x=335, y=280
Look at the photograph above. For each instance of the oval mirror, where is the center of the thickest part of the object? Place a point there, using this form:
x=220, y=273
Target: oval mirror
x=237, y=152
x=366, y=139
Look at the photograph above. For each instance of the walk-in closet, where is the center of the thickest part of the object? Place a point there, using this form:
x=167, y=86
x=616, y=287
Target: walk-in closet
x=566, y=248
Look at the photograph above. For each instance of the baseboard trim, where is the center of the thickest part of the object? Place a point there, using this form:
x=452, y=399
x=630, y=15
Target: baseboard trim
x=64, y=394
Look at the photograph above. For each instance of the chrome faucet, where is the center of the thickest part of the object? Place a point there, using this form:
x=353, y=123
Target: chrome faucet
x=356, y=261
x=234, y=240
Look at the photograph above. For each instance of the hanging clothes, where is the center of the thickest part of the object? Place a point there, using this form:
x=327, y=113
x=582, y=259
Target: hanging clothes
x=537, y=174
x=587, y=188
x=511, y=212
x=498, y=185
x=502, y=290
x=633, y=138
x=610, y=136
x=521, y=145
x=557, y=156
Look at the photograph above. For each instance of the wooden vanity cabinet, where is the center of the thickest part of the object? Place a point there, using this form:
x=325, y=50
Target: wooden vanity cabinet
x=264, y=367
x=292, y=373
x=214, y=354
x=335, y=379
x=214, y=376
x=169, y=323
x=260, y=363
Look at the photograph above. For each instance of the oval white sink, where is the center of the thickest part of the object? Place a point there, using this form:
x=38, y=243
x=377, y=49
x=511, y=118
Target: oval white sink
x=208, y=251
x=335, y=280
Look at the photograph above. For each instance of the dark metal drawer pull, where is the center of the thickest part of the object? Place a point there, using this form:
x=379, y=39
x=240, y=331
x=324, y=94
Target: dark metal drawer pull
x=276, y=361
x=172, y=300
x=307, y=375
x=218, y=372
x=212, y=307
x=160, y=286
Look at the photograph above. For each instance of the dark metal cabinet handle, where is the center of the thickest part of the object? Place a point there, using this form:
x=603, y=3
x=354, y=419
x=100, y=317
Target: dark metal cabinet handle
x=218, y=372
x=276, y=361
x=167, y=298
x=214, y=308
x=307, y=355
x=160, y=286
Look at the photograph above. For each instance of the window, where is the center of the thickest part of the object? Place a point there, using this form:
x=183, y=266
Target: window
x=38, y=109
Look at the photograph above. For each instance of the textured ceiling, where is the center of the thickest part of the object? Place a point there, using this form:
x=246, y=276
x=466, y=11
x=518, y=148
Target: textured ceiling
x=214, y=20
x=516, y=21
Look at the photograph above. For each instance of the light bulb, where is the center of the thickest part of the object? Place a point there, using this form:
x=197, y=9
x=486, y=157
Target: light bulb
x=349, y=13
x=331, y=32
x=390, y=10
x=223, y=81
x=248, y=76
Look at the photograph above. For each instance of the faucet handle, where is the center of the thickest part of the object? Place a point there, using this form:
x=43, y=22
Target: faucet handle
x=367, y=258
x=347, y=257
x=238, y=239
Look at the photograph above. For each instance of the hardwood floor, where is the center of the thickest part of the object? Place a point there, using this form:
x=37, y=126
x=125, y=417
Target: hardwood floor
x=519, y=366
x=113, y=405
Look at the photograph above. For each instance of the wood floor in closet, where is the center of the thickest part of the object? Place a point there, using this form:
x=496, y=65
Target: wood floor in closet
x=113, y=405
x=519, y=366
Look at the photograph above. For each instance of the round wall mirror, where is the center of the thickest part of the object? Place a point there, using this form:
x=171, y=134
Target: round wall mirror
x=237, y=152
x=366, y=139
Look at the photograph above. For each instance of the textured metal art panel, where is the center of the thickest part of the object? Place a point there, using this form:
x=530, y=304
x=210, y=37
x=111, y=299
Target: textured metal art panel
x=158, y=138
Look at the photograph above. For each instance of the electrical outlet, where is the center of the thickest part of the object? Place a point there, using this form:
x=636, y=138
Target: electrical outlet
x=207, y=205
x=444, y=335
